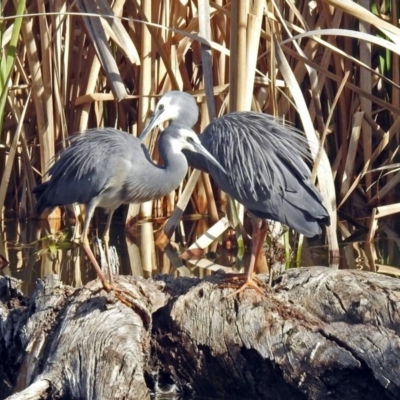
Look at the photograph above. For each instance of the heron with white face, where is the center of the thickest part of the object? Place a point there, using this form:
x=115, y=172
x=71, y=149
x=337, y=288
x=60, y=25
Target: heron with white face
x=264, y=168
x=107, y=167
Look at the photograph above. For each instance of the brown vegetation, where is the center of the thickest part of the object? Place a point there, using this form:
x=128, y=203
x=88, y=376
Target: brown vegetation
x=331, y=67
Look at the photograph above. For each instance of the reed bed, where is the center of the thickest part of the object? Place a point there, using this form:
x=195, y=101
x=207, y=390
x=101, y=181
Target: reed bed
x=331, y=67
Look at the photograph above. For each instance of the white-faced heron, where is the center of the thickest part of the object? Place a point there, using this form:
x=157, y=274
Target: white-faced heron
x=264, y=164
x=107, y=167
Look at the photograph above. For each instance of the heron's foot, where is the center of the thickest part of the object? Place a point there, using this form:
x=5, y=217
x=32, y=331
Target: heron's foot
x=240, y=282
x=128, y=298
x=123, y=295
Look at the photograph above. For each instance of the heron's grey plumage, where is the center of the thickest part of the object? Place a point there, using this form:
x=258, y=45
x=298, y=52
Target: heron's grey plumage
x=265, y=169
x=264, y=163
x=107, y=167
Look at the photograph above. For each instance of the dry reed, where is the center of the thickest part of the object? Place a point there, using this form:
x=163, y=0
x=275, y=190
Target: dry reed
x=284, y=58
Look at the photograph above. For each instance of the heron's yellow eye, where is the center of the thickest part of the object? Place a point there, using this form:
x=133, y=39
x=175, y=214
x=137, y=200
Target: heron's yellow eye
x=190, y=139
x=161, y=107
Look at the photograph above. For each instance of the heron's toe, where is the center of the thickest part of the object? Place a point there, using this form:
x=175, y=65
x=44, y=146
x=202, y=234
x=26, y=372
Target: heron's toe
x=240, y=282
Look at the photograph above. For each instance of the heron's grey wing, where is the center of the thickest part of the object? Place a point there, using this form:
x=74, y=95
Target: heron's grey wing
x=298, y=205
x=84, y=169
x=266, y=171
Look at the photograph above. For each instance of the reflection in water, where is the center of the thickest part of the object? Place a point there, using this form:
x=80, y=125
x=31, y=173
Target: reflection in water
x=16, y=245
x=32, y=253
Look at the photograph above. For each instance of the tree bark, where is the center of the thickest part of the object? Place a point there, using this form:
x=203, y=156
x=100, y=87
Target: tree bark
x=316, y=333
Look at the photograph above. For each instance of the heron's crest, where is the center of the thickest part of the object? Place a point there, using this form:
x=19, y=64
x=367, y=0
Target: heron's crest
x=184, y=110
x=176, y=106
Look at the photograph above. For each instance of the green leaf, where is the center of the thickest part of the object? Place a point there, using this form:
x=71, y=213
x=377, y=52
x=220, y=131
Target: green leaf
x=7, y=67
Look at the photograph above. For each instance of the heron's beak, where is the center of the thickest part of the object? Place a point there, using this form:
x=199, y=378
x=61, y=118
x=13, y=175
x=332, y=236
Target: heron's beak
x=210, y=158
x=155, y=119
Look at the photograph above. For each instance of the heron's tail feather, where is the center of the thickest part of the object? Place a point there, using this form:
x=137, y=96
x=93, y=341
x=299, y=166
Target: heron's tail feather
x=309, y=215
x=309, y=225
x=297, y=219
x=302, y=211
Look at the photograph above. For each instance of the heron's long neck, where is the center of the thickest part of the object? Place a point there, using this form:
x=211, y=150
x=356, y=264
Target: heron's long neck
x=163, y=180
x=149, y=181
x=175, y=165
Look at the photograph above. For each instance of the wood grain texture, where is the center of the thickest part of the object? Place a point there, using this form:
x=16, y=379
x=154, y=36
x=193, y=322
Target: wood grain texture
x=317, y=333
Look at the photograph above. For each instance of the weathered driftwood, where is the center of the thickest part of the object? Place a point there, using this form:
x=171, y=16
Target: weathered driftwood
x=316, y=334
x=79, y=343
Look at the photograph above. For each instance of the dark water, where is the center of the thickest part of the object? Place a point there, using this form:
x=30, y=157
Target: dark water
x=33, y=252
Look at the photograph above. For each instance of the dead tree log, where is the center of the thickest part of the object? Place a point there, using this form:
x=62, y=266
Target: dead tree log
x=77, y=344
x=317, y=333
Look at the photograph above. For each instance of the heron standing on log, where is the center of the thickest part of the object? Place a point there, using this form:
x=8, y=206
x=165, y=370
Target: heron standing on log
x=107, y=167
x=264, y=169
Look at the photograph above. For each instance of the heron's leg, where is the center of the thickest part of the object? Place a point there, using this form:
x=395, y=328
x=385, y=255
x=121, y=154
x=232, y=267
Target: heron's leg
x=106, y=239
x=88, y=250
x=259, y=233
x=123, y=295
x=260, y=228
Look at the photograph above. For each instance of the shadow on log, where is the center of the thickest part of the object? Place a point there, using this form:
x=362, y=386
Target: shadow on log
x=316, y=334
